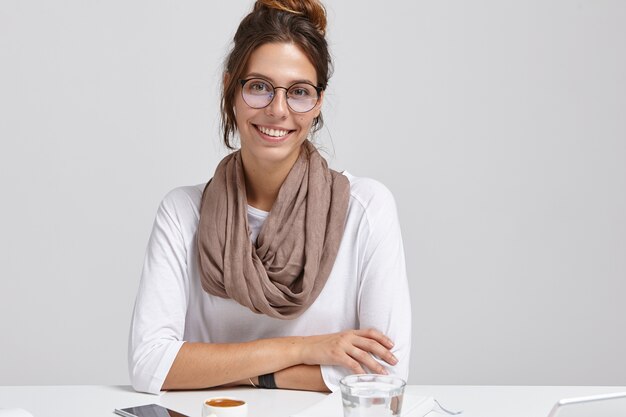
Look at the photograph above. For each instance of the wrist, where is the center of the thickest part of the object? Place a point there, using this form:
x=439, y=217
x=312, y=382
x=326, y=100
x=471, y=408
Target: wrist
x=267, y=381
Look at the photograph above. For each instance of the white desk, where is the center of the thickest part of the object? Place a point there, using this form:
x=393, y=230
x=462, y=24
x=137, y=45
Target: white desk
x=99, y=401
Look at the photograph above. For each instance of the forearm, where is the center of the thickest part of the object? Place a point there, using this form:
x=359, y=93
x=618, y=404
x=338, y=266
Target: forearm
x=299, y=377
x=294, y=360
x=204, y=365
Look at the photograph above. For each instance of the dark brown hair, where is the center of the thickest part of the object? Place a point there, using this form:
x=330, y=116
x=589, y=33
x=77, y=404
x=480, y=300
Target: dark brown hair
x=301, y=22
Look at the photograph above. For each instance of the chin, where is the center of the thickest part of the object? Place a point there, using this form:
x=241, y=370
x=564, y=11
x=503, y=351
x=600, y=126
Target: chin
x=274, y=152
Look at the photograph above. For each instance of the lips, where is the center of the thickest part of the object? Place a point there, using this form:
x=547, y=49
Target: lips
x=274, y=133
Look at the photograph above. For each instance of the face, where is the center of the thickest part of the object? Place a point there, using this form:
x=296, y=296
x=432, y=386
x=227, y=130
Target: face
x=274, y=134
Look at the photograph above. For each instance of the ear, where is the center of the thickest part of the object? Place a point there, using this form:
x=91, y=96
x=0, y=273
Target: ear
x=318, y=110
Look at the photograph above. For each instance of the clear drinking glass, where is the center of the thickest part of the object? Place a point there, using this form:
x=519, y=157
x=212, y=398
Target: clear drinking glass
x=371, y=395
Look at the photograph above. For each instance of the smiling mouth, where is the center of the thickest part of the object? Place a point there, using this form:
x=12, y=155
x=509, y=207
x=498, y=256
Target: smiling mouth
x=273, y=133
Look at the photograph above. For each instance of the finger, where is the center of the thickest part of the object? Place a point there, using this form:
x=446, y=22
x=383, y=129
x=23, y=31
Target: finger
x=376, y=349
x=375, y=335
x=353, y=365
x=365, y=359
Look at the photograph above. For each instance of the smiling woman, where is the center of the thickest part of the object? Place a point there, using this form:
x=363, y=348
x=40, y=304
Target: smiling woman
x=279, y=272
x=271, y=136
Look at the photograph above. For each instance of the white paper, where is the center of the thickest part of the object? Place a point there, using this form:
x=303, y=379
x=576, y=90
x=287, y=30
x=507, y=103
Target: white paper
x=331, y=406
x=14, y=412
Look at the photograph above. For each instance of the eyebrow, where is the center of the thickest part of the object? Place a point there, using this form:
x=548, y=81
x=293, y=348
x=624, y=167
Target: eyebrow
x=265, y=77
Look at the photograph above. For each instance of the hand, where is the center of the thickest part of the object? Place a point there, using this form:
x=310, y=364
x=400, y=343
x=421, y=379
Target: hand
x=352, y=349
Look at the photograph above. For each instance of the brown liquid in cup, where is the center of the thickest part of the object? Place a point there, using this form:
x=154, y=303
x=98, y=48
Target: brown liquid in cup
x=225, y=402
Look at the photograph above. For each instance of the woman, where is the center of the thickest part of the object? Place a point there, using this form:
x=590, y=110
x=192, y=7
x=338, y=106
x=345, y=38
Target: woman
x=279, y=272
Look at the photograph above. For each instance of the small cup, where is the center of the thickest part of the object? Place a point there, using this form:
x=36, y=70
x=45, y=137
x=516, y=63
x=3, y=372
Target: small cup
x=224, y=407
x=372, y=395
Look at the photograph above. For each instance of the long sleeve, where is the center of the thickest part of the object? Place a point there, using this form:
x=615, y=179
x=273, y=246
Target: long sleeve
x=383, y=301
x=158, y=321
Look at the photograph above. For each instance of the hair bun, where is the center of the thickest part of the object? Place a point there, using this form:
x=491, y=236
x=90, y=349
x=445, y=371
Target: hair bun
x=313, y=10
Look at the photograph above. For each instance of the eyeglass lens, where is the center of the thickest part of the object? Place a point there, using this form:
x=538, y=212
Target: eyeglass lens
x=258, y=93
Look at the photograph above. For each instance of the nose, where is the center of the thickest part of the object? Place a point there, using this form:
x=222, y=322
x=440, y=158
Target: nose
x=278, y=107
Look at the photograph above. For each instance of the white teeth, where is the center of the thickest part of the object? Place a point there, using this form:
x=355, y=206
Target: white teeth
x=273, y=132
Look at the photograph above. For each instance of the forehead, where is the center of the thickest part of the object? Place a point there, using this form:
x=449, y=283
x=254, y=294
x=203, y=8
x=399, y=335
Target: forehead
x=281, y=63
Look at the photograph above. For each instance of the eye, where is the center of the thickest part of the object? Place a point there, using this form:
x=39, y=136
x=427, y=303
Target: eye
x=258, y=87
x=302, y=91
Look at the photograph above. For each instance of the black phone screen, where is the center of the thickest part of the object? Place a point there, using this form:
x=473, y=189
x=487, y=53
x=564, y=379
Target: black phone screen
x=149, y=410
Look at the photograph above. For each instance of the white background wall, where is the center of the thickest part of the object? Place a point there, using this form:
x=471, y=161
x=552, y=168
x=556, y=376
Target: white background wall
x=500, y=126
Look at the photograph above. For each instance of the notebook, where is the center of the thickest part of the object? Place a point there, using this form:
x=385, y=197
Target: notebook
x=331, y=406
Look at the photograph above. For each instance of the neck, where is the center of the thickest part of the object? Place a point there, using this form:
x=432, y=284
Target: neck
x=263, y=180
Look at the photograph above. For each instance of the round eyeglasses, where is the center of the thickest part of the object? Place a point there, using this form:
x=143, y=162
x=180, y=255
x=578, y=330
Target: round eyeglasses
x=259, y=93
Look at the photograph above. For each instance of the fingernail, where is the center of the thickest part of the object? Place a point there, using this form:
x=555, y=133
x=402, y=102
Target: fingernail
x=390, y=342
x=394, y=360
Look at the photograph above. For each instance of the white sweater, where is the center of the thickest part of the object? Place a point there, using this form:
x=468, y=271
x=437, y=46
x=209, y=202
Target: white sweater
x=367, y=288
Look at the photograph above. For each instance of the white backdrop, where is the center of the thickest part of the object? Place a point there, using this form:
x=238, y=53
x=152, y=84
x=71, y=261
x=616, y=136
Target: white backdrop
x=499, y=126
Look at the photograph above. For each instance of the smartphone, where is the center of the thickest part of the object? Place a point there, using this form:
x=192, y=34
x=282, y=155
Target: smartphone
x=149, y=410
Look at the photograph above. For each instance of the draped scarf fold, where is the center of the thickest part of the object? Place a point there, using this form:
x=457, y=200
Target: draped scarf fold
x=281, y=274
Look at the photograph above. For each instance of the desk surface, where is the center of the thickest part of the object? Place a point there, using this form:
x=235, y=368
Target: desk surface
x=99, y=401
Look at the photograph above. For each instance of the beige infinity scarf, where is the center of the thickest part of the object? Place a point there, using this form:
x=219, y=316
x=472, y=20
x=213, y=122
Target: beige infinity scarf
x=282, y=275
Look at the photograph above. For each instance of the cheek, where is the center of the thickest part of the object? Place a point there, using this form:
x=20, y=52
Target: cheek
x=305, y=122
x=242, y=113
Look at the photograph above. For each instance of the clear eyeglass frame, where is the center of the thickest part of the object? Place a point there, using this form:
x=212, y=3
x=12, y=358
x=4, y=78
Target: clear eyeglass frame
x=297, y=105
